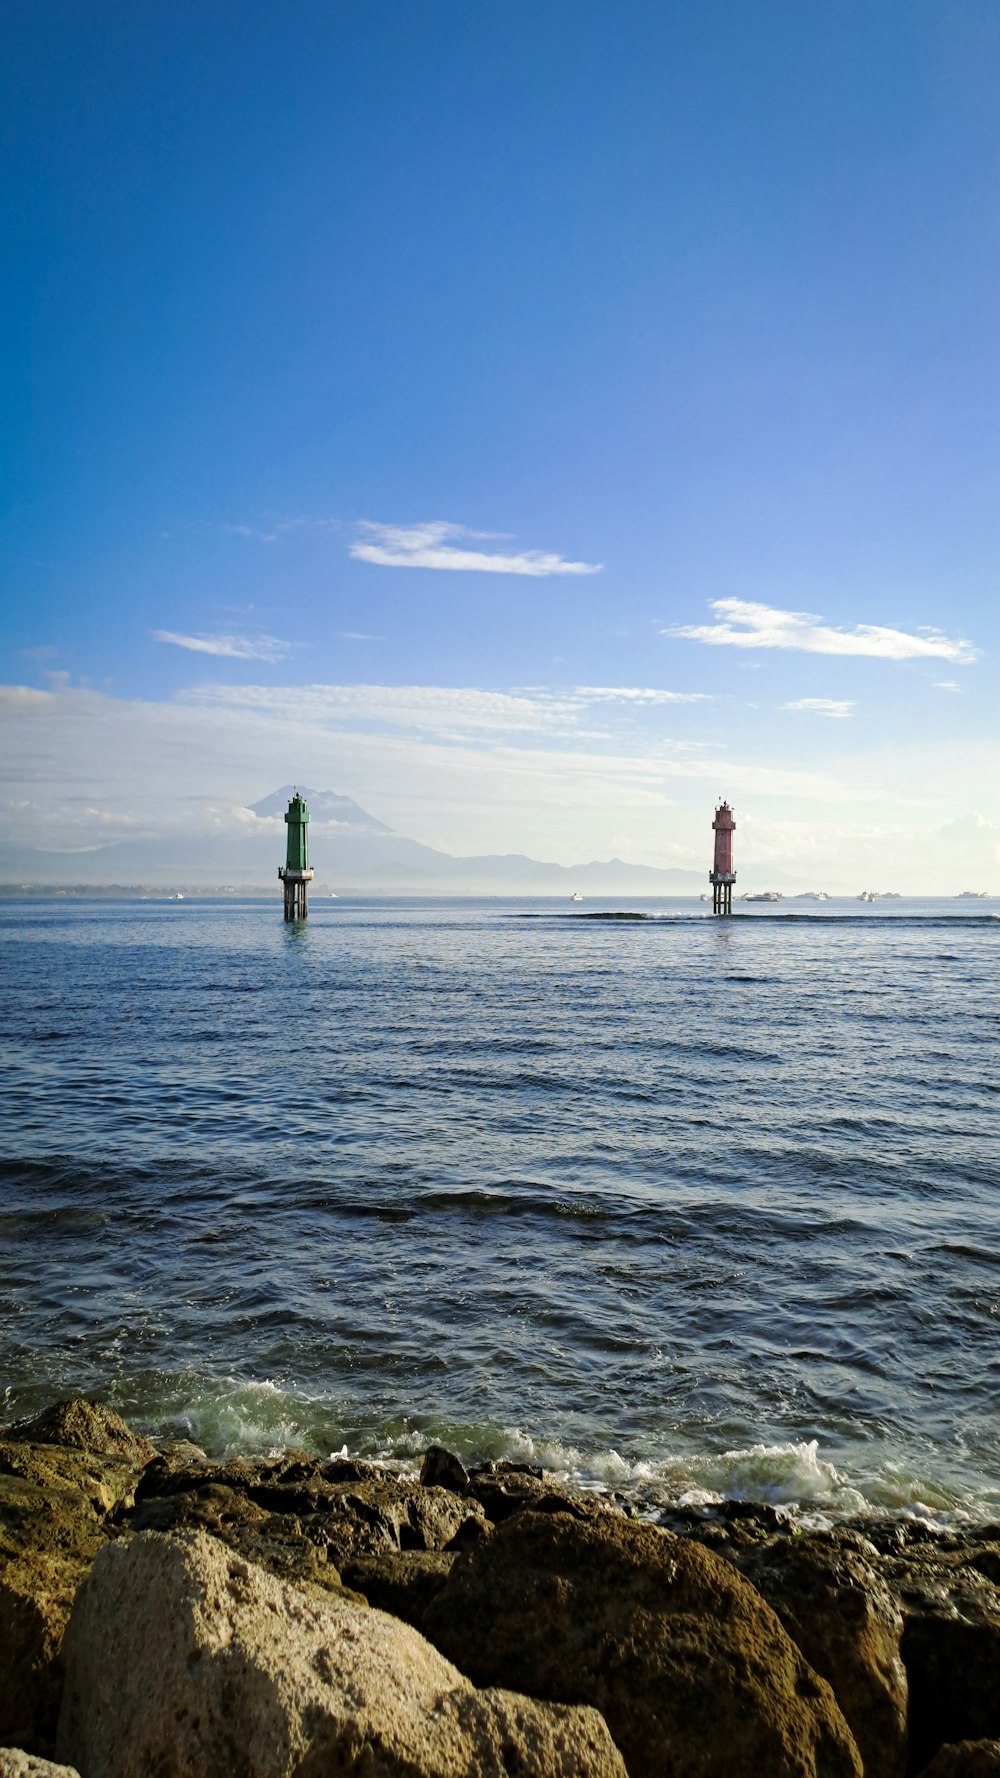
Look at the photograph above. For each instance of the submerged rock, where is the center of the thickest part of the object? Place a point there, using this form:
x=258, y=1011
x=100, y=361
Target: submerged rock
x=182, y=1658
x=691, y=1669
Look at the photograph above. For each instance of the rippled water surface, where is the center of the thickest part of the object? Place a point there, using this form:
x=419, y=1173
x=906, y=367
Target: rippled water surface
x=678, y=1204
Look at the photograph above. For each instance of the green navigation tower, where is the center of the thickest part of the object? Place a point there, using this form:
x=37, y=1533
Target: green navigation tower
x=295, y=872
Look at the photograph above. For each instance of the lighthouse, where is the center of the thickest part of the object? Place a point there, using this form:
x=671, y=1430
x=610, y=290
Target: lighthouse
x=295, y=872
x=722, y=875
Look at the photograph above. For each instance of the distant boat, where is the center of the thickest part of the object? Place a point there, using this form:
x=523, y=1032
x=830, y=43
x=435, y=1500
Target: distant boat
x=974, y=895
x=334, y=897
x=576, y=896
x=767, y=895
x=812, y=895
x=869, y=895
x=177, y=897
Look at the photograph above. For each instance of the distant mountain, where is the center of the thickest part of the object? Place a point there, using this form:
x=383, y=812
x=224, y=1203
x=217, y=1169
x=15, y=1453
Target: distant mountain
x=324, y=806
x=350, y=851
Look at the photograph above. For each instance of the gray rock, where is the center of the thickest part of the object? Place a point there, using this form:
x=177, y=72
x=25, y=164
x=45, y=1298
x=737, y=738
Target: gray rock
x=183, y=1659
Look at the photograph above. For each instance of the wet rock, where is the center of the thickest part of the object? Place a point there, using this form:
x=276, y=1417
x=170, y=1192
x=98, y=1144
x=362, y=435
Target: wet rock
x=15, y=1764
x=692, y=1671
x=951, y=1644
x=839, y=1611
x=440, y=1469
x=965, y=1759
x=503, y=1489
x=55, y=1514
x=84, y=1425
x=401, y=1584
x=182, y=1659
x=275, y=1541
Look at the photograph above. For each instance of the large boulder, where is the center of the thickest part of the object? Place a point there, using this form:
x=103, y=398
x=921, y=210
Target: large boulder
x=951, y=1643
x=57, y=1508
x=403, y=1583
x=691, y=1669
x=838, y=1610
x=182, y=1658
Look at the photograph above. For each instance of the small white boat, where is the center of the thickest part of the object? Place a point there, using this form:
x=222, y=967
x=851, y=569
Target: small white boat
x=766, y=895
x=869, y=895
x=576, y=896
x=974, y=895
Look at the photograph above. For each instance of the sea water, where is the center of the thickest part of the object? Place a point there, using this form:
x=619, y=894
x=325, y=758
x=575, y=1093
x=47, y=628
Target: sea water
x=680, y=1206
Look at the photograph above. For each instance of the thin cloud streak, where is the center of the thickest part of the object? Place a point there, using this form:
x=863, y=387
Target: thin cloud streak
x=236, y=648
x=446, y=710
x=634, y=694
x=282, y=529
x=430, y=545
x=745, y=624
x=834, y=707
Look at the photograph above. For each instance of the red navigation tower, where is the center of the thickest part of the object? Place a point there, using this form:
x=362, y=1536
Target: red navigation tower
x=722, y=875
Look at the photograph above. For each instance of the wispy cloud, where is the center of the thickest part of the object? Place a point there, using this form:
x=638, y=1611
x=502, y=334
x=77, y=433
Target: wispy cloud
x=445, y=710
x=743, y=624
x=946, y=685
x=358, y=636
x=282, y=528
x=635, y=694
x=835, y=707
x=237, y=648
x=433, y=545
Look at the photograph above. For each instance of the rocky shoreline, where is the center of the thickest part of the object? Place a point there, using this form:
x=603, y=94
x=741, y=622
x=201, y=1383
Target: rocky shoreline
x=163, y=1616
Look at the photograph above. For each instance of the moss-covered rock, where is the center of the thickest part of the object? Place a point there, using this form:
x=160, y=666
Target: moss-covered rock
x=692, y=1671
x=57, y=1509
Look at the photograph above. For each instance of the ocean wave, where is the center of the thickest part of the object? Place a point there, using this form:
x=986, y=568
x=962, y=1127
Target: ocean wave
x=229, y=1417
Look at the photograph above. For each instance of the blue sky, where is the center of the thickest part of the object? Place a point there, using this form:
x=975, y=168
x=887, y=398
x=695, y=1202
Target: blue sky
x=498, y=353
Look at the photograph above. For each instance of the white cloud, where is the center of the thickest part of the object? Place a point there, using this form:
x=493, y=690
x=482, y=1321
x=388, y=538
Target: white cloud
x=237, y=648
x=743, y=624
x=358, y=636
x=440, y=709
x=946, y=685
x=430, y=545
x=835, y=707
x=633, y=694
